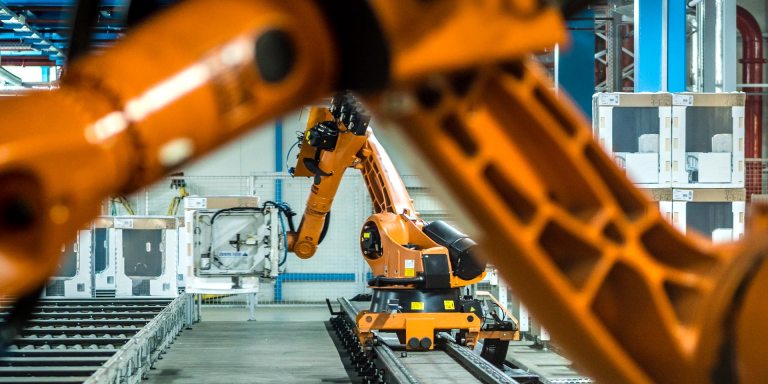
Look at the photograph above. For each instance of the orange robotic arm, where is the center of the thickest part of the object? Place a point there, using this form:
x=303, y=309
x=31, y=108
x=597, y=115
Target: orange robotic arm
x=166, y=94
x=630, y=298
x=395, y=241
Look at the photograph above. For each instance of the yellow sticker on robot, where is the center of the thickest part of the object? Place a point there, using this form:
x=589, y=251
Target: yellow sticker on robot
x=448, y=304
x=417, y=306
x=410, y=268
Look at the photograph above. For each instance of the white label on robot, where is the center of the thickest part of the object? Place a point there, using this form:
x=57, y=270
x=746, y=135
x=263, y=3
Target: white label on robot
x=685, y=100
x=610, y=99
x=123, y=223
x=196, y=202
x=233, y=254
x=682, y=194
x=410, y=268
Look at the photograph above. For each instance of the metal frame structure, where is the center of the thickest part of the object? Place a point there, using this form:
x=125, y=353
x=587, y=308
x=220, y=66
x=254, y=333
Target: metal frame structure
x=132, y=362
x=94, y=340
x=614, y=56
x=387, y=367
x=715, y=45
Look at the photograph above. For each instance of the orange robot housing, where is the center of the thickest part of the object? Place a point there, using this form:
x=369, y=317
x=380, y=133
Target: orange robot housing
x=418, y=268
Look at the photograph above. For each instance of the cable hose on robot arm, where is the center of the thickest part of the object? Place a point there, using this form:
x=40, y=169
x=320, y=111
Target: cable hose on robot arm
x=285, y=243
x=326, y=225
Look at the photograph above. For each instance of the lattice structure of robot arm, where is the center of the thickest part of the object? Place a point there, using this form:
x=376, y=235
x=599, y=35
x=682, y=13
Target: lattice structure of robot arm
x=630, y=298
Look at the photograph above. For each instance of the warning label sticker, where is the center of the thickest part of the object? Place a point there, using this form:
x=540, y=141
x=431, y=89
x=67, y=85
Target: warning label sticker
x=449, y=305
x=417, y=306
x=410, y=268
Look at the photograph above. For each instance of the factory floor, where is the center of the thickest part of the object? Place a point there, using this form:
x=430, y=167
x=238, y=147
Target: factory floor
x=283, y=345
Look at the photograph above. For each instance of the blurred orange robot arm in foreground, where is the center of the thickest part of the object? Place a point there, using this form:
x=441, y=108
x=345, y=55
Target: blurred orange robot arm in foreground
x=627, y=296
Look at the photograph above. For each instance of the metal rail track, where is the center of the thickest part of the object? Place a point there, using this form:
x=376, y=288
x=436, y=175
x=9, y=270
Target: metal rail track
x=384, y=365
x=93, y=340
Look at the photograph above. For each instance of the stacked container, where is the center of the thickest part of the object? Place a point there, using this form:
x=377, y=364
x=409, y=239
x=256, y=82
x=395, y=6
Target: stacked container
x=104, y=258
x=146, y=253
x=73, y=278
x=685, y=150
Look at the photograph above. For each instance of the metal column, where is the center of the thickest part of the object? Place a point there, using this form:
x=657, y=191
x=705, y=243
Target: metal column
x=660, y=49
x=577, y=62
x=676, y=46
x=716, y=46
x=613, y=41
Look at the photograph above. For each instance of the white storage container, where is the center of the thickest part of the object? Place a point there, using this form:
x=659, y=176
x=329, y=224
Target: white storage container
x=103, y=251
x=230, y=243
x=147, y=253
x=708, y=140
x=73, y=278
x=721, y=221
x=635, y=128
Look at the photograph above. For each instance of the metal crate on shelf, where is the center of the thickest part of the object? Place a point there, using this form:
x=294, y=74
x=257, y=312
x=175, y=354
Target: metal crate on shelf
x=73, y=278
x=708, y=140
x=716, y=214
x=146, y=253
x=635, y=129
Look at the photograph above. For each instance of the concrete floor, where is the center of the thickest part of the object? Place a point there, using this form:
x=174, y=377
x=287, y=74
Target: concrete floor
x=268, y=313
x=284, y=345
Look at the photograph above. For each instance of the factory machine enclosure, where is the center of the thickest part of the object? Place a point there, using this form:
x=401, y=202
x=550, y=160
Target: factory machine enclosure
x=635, y=129
x=708, y=140
x=73, y=278
x=146, y=253
x=230, y=243
x=104, y=256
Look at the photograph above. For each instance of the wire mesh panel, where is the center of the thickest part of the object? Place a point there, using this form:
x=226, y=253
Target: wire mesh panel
x=425, y=200
x=157, y=198
x=756, y=181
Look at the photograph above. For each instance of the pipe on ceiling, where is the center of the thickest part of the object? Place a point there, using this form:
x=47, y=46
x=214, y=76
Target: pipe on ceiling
x=752, y=73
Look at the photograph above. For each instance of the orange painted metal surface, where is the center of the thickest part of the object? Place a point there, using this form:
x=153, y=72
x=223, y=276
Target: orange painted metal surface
x=418, y=325
x=629, y=298
x=395, y=217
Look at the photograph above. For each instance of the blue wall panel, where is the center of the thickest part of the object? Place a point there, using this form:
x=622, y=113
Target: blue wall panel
x=676, y=46
x=577, y=62
x=660, y=47
x=649, y=43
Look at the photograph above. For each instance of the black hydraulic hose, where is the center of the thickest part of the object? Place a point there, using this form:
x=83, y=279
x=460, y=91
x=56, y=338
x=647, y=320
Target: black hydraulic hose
x=383, y=281
x=291, y=226
x=18, y=317
x=287, y=212
x=234, y=209
x=326, y=224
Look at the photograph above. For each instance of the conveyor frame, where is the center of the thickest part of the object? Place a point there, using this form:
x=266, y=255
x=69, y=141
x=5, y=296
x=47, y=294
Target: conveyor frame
x=386, y=367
